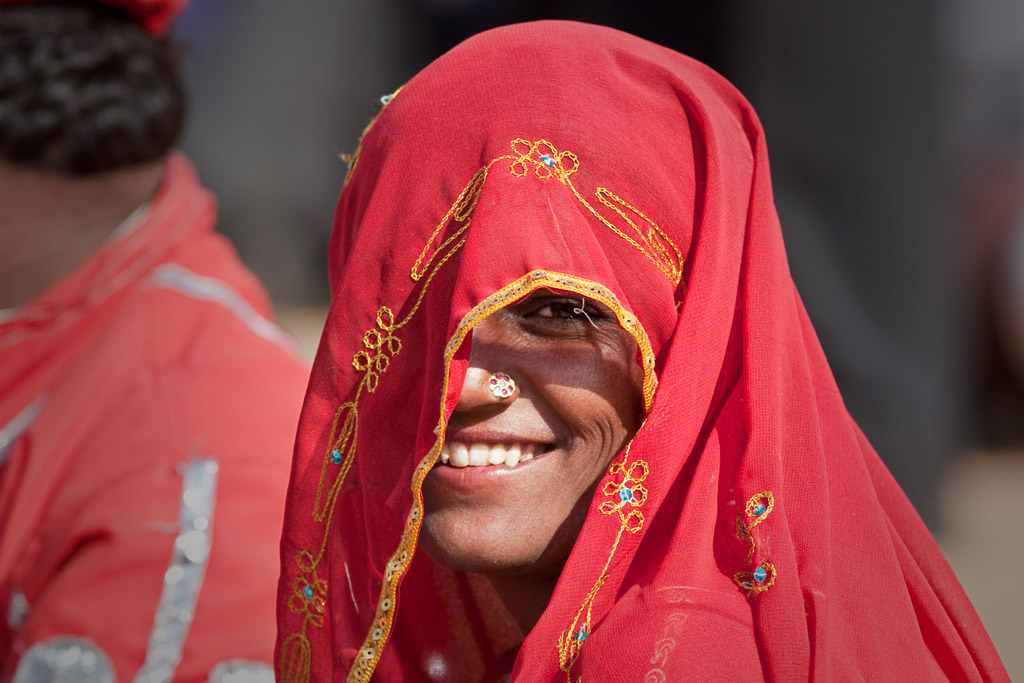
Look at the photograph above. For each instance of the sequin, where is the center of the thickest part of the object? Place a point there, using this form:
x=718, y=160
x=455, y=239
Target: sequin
x=17, y=609
x=626, y=494
x=335, y=457
x=63, y=658
x=548, y=161
x=760, y=574
x=241, y=671
x=759, y=510
x=307, y=591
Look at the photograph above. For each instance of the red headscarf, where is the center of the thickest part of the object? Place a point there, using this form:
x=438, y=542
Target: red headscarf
x=762, y=536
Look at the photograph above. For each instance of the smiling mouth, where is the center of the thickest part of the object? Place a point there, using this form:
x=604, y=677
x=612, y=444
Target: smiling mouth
x=479, y=454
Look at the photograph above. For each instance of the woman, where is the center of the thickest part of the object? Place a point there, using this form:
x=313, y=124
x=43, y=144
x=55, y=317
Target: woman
x=569, y=420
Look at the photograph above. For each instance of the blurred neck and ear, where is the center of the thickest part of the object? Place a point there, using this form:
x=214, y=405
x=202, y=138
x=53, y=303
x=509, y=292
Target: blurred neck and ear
x=51, y=223
x=89, y=106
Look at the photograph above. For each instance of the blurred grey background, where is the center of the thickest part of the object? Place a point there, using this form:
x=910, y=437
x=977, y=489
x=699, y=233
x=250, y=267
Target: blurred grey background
x=896, y=136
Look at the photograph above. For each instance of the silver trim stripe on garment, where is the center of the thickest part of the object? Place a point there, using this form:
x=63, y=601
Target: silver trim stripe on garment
x=16, y=427
x=201, y=288
x=184, y=575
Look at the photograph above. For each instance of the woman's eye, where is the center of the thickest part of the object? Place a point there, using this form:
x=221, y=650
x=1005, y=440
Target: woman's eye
x=562, y=317
x=567, y=310
x=560, y=309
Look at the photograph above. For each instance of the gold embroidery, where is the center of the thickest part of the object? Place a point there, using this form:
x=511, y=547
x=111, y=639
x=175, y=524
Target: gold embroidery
x=381, y=344
x=758, y=507
x=653, y=243
x=309, y=595
x=353, y=159
x=626, y=494
x=459, y=212
x=629, y=492
x=547, y=162
x=399, y=562
x=757, y=581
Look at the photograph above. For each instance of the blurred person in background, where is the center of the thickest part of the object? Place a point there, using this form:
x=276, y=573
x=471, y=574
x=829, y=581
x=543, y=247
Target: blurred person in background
x=147, y=401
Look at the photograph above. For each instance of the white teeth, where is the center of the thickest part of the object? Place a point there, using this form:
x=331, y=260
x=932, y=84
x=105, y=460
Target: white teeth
x=497, y=455
x=481, y=454
x=459, y=455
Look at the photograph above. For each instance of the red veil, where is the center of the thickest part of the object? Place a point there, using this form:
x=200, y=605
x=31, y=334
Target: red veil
x=762, y=537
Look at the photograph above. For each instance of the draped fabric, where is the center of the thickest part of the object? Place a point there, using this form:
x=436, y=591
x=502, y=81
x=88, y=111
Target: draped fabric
x=147, y=409
x=748, y=532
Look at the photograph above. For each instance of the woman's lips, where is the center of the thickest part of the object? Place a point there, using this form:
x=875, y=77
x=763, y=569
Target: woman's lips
x=483, y=454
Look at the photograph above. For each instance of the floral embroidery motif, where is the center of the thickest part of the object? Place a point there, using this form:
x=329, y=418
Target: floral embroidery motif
x=309, y=592
x=628, y=494
x=762, y=576
x=380, y=345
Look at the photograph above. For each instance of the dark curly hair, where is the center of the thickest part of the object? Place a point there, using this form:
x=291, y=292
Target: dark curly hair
x=84, y=90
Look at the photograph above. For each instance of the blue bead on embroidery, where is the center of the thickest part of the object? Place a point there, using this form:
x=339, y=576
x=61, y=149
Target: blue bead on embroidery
x=582, y=635
x=307, y=591
x=548, y=160
x=760, y=574
x=759, y=509
x=335, y=457
x=746, y=584
x=626, y=494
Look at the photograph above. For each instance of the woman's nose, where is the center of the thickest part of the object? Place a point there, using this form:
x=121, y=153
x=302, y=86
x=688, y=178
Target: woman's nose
x=486, y=383
x=486, y=387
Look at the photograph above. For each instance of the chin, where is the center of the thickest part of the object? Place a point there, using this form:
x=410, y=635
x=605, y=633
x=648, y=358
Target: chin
x=483, y=550
x=497, y=549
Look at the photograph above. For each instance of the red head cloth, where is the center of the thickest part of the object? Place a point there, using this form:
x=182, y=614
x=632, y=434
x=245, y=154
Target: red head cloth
x=154, y=16
x=763, y=537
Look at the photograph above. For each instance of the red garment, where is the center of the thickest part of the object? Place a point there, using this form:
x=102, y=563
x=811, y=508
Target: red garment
x=157, y=408
x=154, y=16
x=750, y=531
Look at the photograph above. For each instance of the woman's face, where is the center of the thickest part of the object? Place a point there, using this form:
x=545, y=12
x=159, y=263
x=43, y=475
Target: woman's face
x=577, y=401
